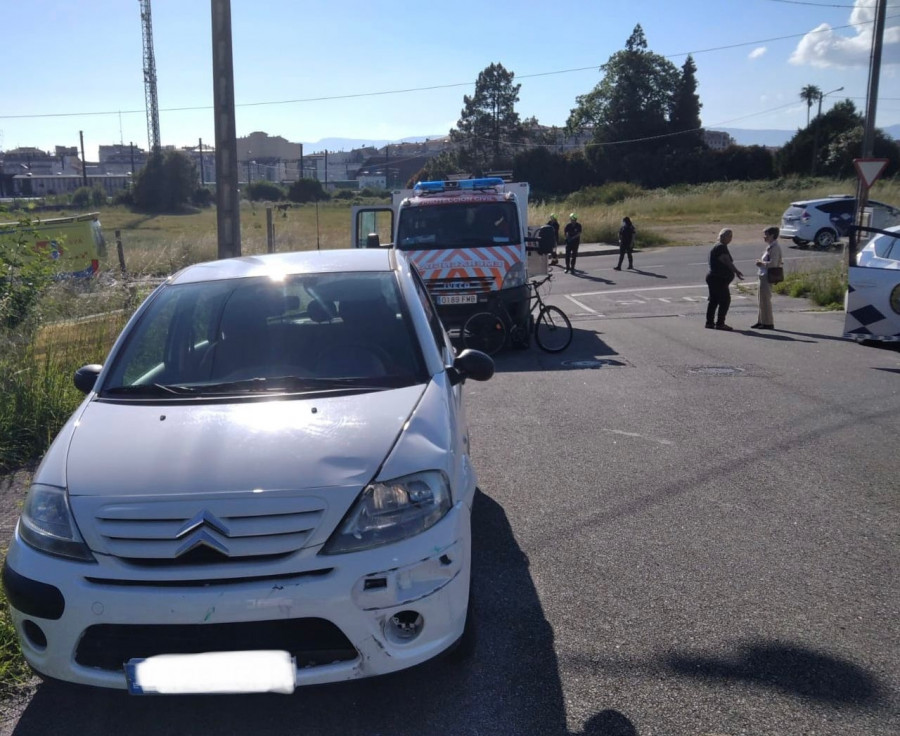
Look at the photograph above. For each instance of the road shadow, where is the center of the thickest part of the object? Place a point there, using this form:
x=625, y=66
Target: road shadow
x=648, y=273
x=584, y=276
x=587, y=350
x=508, y=684
x=790, y=669
x=814, y=335
x=773, y=335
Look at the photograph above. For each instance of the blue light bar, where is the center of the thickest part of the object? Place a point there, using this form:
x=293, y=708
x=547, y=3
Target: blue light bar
x=443, y=186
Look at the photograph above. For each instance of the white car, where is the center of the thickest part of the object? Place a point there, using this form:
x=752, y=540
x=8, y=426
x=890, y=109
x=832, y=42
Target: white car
x=823, y=222
x=267, y=485
x=882, y=251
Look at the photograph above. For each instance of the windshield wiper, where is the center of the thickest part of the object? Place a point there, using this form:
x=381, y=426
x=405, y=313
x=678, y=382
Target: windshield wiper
x=149, y=389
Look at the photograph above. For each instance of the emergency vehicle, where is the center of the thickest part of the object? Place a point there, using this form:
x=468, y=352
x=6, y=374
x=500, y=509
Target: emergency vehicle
x=469, y=240
x=872, y=302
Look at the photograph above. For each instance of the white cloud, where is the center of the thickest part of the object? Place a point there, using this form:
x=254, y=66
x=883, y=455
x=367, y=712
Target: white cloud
x=824, y=47
x=757, y=52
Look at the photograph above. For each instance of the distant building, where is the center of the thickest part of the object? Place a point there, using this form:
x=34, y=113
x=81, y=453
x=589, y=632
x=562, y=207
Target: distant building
x=717, y=140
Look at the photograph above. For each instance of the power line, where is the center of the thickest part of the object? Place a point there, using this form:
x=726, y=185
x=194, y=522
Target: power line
x=429, y=88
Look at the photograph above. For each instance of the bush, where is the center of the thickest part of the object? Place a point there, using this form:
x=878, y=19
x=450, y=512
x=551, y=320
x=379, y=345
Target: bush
x=202, y=197
x=825, y=288
x=264, y=191
x=307, y=190
x=25, y=275
x=88, y=197
x=611, y=193
x=344, y=194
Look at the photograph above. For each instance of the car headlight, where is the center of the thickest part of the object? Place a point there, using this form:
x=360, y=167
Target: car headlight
x=47, y=524
x=388, y=511
x=514, y=277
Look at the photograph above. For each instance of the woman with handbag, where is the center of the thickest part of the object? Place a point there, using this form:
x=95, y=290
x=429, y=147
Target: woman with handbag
x=771, y=271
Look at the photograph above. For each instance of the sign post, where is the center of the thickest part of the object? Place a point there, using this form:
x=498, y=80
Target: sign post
x=867, y=171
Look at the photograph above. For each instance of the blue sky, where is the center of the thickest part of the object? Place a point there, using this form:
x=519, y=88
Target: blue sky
x=77, y=66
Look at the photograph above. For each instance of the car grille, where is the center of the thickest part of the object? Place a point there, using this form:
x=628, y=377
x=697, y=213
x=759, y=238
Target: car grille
x=312, y=641
x=463, y=283
x=193, y=532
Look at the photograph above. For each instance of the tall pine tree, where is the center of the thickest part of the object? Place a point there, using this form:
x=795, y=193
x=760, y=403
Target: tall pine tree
x=686, y=106
x=489, y=124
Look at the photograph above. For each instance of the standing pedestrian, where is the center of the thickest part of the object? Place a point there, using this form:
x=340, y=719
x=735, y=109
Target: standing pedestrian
x=554, y=223
x=721, y=273
x=765, y=320
x=572, y=232
x=626, y=244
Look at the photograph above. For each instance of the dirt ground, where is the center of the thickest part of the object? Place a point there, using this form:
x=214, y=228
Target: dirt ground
x=704, y=234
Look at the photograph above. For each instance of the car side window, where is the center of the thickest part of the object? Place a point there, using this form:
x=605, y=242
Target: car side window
x=884, y=247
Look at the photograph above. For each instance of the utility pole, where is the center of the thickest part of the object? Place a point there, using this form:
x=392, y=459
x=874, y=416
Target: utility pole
x=200, y=151
x=83, y=159
x=228, y=213
x=862, y=190
x=300, y=170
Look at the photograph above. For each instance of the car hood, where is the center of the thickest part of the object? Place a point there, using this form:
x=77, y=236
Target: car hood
x=130, y=449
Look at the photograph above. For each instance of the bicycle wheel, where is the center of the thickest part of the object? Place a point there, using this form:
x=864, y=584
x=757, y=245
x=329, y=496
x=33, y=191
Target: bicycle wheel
x=553, y=331
x=484, y=331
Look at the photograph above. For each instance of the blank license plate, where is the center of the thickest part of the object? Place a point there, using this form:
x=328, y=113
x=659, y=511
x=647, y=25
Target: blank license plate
x=458, y=299
x=213, y=672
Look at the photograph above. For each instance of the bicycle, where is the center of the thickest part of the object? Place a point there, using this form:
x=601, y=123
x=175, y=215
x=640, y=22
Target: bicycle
x=489, y=331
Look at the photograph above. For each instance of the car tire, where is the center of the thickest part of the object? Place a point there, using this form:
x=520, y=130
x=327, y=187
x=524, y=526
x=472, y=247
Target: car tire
x=825, y=238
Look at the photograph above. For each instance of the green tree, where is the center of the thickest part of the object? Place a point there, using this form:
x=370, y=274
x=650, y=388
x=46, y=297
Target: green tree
x=630, y=109
x=166, y=183
x=810, y=94
x=835, y=138
x=489, y=125
x=685, y=117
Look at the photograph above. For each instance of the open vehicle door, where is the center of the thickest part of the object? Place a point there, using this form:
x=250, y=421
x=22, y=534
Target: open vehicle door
x=372, y=220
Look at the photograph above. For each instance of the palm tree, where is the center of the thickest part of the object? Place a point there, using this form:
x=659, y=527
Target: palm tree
x=810, y=94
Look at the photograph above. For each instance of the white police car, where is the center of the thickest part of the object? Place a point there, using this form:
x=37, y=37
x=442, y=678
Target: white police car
x=267, y=485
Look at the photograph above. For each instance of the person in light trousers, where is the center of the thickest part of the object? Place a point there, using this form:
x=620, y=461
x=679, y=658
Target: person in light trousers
x=772, y=258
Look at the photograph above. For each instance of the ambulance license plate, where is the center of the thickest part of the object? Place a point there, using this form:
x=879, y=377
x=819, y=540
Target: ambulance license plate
x=458, y=299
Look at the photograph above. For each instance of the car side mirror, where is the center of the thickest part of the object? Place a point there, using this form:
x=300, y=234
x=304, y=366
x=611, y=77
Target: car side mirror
x=86, y=377
x=472, y=364
x=372, y=241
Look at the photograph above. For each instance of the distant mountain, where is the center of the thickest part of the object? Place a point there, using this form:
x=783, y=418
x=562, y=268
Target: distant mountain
x=743, y=136
x=350, y=144
x=746, y=137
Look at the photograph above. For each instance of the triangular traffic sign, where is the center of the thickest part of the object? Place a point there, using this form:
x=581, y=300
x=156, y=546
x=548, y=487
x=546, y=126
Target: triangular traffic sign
x=869, y=169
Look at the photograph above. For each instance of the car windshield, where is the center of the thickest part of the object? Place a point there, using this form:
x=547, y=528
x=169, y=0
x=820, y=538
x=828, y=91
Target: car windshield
x=458, y=225
x=336, y=332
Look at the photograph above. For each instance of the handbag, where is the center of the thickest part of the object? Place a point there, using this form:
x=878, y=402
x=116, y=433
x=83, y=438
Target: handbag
x=775, y=274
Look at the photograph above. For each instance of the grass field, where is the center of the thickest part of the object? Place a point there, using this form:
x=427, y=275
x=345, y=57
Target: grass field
x=158, y=245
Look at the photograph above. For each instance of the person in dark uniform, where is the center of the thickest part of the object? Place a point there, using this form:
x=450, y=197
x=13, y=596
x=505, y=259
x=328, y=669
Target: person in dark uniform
x=573, y=240
x=626, y=243
x=554, y=223
x=721, y=273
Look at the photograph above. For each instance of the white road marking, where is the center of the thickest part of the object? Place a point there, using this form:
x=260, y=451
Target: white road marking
x=583, y=306
x=631, y=291
x=640, y=436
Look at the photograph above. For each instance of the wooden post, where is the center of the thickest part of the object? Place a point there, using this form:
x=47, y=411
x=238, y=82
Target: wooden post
x=121, y=251
x=270, y=231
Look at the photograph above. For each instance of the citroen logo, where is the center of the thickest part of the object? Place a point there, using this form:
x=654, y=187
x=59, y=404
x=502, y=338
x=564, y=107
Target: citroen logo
x=196, y=533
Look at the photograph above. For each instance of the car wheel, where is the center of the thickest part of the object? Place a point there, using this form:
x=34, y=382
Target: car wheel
x=800, y=243
x=825, y=238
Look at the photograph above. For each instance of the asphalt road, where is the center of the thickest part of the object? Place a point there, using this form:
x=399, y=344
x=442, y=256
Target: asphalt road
x=680, y=531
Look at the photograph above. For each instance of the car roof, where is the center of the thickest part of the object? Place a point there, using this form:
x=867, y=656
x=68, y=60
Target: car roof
x=834, y=198
x=283, y=264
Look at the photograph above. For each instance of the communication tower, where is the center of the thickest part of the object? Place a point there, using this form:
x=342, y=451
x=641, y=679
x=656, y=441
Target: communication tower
x=150, y=77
